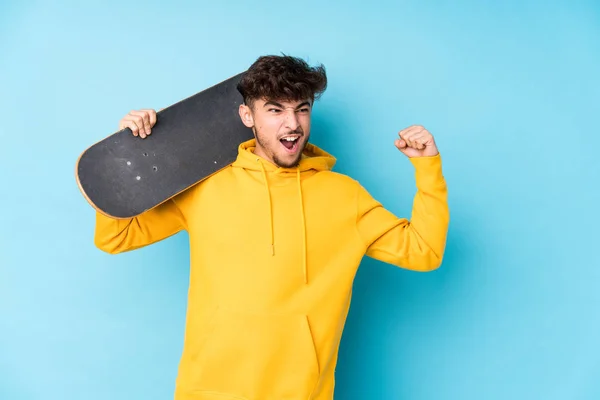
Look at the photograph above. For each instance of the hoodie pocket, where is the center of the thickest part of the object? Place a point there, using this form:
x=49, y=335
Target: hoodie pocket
x=257, y=357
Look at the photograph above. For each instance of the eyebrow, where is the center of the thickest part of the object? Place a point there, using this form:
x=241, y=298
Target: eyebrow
x=274, y=103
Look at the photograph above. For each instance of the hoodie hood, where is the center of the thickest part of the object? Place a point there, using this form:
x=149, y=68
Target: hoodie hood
x=313, y=160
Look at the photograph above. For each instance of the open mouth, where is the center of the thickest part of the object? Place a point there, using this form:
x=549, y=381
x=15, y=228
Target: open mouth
x=290, y=143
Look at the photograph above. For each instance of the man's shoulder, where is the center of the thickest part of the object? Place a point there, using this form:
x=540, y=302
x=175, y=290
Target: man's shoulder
x=337, y=180
x=217, y=176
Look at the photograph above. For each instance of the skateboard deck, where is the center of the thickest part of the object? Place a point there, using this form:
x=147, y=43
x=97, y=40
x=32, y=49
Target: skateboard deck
x=123, y=175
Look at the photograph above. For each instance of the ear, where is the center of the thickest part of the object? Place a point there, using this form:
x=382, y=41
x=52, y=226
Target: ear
x=246, y=115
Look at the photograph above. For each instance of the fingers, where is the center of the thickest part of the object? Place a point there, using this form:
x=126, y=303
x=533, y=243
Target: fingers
x=411, y=136
x=130, y=123
x=416, y=137
x=142, y=120
x=139, y=121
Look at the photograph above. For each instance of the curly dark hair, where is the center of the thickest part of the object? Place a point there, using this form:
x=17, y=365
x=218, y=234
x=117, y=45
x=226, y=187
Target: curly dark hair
x=283, y=78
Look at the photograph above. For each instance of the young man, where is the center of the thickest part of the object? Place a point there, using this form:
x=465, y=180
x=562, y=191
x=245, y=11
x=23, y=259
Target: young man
x=275, y=241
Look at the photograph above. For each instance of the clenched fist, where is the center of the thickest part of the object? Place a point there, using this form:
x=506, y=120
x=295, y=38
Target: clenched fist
x=416, y=141
x=139, y=121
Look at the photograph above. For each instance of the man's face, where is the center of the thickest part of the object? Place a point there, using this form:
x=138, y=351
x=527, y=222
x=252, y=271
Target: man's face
x=281, y=128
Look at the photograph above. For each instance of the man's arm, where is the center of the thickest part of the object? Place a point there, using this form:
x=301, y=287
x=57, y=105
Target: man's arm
x=119, y=235
x=419, y=243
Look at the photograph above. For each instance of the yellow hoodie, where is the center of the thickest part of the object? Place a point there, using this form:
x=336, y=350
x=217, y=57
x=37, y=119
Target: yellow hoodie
x=274, y=253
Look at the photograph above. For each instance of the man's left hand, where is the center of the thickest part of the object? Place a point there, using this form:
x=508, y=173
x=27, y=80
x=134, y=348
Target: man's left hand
x=416, y=141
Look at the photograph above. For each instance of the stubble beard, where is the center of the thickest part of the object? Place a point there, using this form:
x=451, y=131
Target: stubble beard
x=276, y=160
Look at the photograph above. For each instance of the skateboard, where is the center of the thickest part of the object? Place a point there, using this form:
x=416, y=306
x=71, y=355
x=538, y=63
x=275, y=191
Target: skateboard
x=123, y=176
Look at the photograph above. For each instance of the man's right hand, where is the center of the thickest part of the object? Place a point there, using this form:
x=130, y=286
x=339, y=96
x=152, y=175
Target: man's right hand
x=139, y=121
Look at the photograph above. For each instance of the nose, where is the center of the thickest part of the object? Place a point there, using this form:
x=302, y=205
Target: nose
x=291, y=120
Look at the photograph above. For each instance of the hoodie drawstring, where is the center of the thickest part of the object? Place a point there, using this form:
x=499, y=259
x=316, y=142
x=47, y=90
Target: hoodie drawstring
x=299, y=181
x=303, y=227
x=262, y=167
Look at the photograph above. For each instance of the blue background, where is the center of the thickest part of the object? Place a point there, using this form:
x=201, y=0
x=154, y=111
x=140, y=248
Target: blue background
x=511, y=93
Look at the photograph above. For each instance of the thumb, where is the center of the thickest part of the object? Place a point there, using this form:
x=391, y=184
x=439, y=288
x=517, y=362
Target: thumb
x=403, y=147
x=400, y=144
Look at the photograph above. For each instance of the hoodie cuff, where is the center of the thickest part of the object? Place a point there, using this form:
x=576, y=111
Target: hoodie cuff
x=428, y=170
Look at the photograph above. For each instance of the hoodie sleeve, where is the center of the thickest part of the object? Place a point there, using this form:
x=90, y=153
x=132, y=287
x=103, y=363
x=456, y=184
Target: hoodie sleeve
x=416, y=244
x=120, y=235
